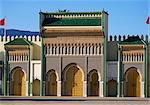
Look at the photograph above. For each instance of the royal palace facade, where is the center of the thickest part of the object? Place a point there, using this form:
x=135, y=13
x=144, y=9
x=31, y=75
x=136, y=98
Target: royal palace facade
x=74, y=56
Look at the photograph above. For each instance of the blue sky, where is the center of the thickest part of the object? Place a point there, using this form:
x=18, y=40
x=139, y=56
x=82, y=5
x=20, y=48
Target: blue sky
x=125, y=16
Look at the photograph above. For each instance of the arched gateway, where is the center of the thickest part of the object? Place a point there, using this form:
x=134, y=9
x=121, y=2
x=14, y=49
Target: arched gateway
x=51, y=83
x=73, y=81
x=18, y=81
x=93, y=83
x=132, y=78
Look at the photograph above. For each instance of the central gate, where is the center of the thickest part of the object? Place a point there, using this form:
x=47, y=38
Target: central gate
x=73, y=84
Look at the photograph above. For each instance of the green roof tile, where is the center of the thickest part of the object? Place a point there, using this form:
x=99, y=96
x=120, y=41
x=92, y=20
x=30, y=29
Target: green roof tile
x=132, y=40
x=53, y=18
x=72, y=22
x=19, y=41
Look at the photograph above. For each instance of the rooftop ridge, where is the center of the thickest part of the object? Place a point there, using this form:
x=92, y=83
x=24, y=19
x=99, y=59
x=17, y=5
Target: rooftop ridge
x=19, y=41
x=114, y=38
x=72, y=14
x=33, y=38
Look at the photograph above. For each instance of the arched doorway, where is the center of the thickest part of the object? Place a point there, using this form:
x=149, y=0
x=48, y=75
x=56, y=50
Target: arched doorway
x=112, y=88
x=36, y=87
x=93, y=83
x=51, y=83
x=18, y=82
x=132, y=78
x=73, y=81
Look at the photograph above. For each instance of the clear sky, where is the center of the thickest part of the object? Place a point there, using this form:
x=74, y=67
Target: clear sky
x=125, y=16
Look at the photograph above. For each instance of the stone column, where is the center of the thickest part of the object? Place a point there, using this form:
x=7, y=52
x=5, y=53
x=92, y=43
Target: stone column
x=84, y=50
x=57, y=52
x=84, y=88
x=68, y=50
x=26, y=91
x=81, y=50
x=60, y=49
x=101, y=89
x=100, y=49
x=74, y=50
x=71, y=50
x=54, y=50
x=50, y=49
x=91, y=50
x=95, y=50
x=88, y=47
x=78, y=48
x=58, y=88
x=142, y=89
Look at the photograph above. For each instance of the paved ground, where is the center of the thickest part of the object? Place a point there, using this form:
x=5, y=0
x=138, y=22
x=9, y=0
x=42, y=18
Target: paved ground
x=72, y=101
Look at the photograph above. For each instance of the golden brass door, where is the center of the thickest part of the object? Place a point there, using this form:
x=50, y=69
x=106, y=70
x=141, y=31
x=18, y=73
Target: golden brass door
x=133, y=83
x=51, y=83
x=74, y=83
x=19, y=82
x=78, y=84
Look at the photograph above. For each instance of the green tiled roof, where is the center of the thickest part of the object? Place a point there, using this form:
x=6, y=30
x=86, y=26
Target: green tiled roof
x=132, y=40
x=19, y=41
x=72, y=22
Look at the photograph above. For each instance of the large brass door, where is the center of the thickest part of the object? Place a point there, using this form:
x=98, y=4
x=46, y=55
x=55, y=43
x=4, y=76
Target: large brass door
x=36, y=87
x=74, y=83
x=51, y=83
x=77, y=89
x=133, y=83
x=94, y=85
x=69, y=83
x=18, y=83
